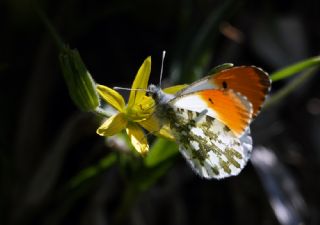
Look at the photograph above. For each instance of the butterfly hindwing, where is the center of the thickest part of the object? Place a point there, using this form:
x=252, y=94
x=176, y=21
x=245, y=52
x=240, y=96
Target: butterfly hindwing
x=209, y=146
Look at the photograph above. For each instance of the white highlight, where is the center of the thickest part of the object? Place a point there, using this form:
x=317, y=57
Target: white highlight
x=197, y=131
x=195, y=145
x=213, y=159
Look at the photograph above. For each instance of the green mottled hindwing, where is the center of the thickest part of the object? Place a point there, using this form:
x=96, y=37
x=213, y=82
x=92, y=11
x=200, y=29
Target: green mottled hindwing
x=209, y=146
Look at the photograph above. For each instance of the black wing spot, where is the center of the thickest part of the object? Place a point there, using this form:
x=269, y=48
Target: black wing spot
x=210, y=100
x=224, y=84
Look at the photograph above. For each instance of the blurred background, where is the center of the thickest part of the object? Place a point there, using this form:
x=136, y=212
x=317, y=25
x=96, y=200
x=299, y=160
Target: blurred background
x=55, y=169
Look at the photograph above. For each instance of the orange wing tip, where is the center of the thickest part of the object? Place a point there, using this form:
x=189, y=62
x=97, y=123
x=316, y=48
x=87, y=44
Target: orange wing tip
x=251, y=81
x=264, y=78
x=266, y=82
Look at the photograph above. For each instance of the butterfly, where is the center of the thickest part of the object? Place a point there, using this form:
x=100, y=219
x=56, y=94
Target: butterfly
x=210, y=118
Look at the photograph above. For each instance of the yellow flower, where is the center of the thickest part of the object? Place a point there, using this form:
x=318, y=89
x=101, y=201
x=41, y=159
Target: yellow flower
x=138, y=113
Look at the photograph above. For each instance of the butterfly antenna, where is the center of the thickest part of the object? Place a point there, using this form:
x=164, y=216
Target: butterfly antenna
x=129, y=89
x=161, y=71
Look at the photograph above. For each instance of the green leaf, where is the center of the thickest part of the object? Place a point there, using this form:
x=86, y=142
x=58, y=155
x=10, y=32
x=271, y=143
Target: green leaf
x=161, y=151
x=79, y=81
x=295, y=68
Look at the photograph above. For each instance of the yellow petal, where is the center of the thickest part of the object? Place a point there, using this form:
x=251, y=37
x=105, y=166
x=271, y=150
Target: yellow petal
x=112, y=125
x=112, y=97
x=153, y=126
x=174, y=89
x=140, y=82
x=137, y=138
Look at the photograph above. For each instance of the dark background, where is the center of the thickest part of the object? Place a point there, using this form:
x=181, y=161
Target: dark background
x=45, y=140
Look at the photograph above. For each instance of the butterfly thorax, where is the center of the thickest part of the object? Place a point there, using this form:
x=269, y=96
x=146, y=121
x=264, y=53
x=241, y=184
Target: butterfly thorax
x=162, y=109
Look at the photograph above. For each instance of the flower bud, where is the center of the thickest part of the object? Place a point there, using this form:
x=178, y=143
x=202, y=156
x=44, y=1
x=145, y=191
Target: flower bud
x=79, y=81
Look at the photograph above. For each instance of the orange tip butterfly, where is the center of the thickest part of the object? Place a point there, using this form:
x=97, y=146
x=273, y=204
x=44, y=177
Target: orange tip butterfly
x=210, y=118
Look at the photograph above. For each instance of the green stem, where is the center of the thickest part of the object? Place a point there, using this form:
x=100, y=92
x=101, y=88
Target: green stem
x=101, y=112
x=295, y=68
x=129, y=197
x=52, y=31
x=276, y=98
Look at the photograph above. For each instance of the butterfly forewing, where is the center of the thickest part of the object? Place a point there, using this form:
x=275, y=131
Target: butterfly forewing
x=209, y=146
x=228, y=107
x=252, y=82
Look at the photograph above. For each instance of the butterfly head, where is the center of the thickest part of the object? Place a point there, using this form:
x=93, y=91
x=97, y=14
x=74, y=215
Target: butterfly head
x=158, y=95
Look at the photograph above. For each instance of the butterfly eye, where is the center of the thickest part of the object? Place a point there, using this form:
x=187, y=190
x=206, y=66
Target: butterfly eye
x=149, y=94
